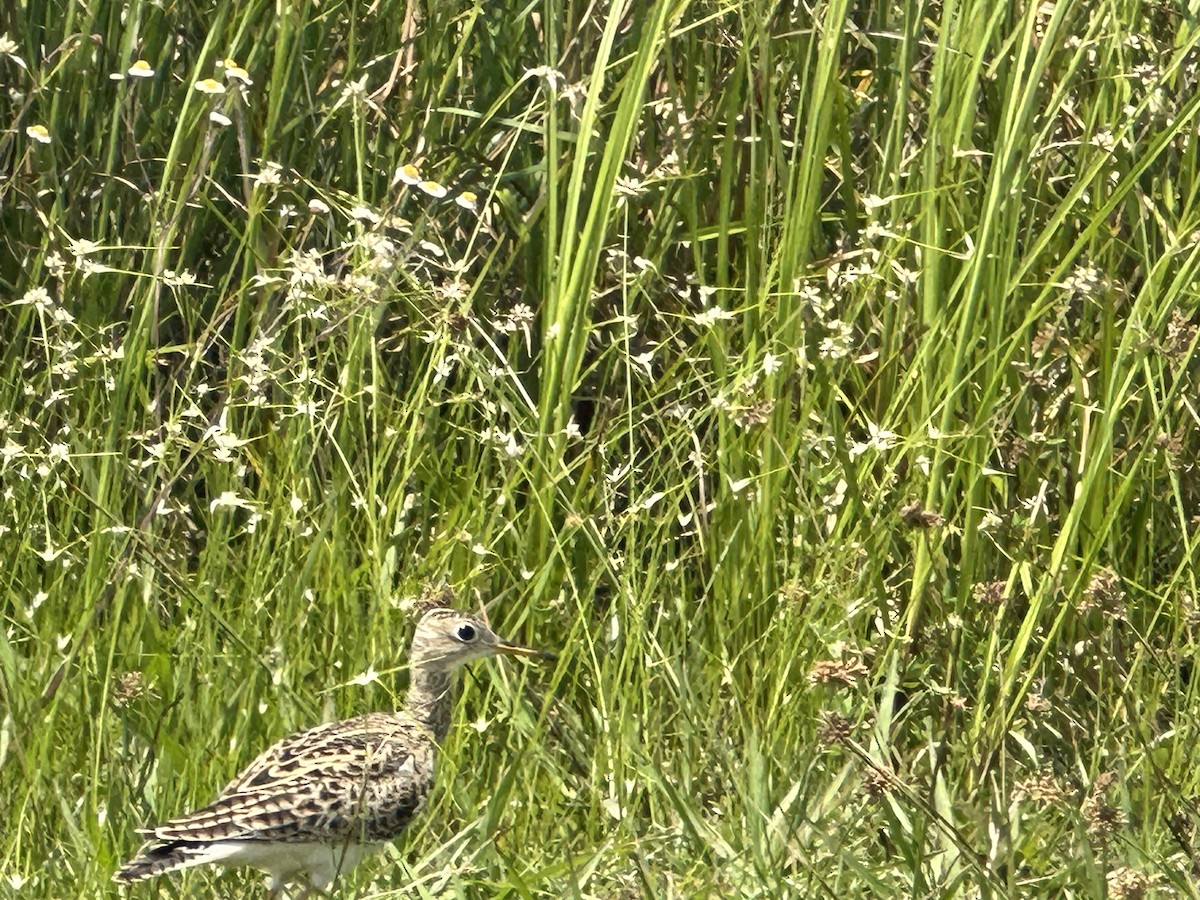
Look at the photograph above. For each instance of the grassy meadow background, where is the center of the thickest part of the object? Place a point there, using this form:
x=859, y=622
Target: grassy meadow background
x=820, y=378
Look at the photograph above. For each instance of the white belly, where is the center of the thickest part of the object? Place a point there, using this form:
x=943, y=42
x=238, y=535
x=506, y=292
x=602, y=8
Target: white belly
x=322, y=863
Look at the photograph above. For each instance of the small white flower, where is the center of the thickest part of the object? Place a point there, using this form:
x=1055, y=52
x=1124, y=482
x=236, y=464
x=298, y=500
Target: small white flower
x=771, y=364
x=644, y=361
x=219, y=118
x=8, y=47
x=408, y=173
x=711, y=316
x=836, y=344
x=182, y=278
x=51, y=552
x=234, y=72
x=209, y=86
x=989, y=522
x=55, y=264
x=38, y=297
x=141, y=69
x=626, y=186
x=39, y=133
x=83, y=247
x=225, y=441
x=270, y=175
x=878, y=439
x=229, y=500
x=354, y=90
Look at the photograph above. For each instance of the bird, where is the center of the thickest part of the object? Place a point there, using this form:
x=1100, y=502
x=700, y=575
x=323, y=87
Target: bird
x=314, y=804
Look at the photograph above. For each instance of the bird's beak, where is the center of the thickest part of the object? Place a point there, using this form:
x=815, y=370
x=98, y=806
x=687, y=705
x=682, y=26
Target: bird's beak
x=510, y=649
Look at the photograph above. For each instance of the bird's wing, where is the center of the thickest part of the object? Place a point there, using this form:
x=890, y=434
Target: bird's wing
x=358, y=780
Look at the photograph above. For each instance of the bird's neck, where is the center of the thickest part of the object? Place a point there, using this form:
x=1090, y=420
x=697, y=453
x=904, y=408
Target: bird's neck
x=430, y=698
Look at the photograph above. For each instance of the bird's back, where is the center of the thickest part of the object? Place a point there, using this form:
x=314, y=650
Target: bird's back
x=361, y=778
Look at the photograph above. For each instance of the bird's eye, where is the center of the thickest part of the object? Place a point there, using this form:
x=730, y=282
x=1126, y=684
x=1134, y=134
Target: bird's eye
x=466, y=633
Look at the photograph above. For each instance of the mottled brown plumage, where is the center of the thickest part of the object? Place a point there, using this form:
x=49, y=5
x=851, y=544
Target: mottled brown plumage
x=318, y=801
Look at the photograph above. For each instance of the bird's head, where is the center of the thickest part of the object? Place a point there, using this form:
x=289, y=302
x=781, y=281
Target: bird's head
x=447, y=638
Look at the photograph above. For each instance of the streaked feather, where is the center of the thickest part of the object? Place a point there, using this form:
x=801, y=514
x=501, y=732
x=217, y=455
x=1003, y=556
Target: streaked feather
x=318, y=801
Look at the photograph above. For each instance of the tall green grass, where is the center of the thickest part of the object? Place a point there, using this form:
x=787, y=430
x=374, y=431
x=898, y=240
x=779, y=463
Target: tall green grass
x=821, y=381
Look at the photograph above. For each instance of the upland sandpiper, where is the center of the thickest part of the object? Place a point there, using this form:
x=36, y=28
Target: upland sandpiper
x=313, y=805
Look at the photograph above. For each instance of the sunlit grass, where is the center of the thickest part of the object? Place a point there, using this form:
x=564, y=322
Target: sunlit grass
x=820, y=382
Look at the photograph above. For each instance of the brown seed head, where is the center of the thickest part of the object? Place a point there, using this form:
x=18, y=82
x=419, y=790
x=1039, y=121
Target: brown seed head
x=844, y=672
x=835, y=729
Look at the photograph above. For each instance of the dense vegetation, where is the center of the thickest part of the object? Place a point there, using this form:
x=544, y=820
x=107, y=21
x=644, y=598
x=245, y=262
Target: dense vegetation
x=820, y=379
